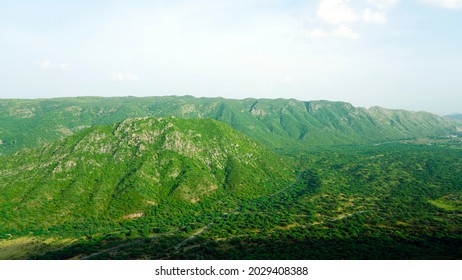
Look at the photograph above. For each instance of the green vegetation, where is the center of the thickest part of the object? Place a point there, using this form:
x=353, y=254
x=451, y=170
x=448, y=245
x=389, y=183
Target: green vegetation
x=329, y=181
x=452, y=202
x=279, y=124
x=367, y=203
x=125, y=171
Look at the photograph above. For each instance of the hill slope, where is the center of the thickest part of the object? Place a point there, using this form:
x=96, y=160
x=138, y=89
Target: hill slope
x=279, y=123
x=122, y=172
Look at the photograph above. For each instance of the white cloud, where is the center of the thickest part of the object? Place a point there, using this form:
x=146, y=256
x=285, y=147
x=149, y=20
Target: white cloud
x=340, y=12
x=45, y=65
x=316, y=33
x=374, y=17
x=336, y=11
x=340, y=32
x=448, y=4
x=125, y=77
x=383, y=4
x=345, y=32
x=49, y=65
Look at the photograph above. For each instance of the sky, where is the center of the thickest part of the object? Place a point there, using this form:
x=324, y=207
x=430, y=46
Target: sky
x=392, y=53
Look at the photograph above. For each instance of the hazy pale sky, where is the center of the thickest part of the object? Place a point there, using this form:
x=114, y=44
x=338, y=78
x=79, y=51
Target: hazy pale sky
x=391, y=53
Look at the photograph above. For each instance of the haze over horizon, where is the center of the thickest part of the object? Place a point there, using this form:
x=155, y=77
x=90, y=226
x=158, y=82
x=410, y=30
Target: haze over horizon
x=389, y=53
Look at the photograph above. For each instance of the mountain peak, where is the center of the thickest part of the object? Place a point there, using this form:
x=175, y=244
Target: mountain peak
x=140, y=162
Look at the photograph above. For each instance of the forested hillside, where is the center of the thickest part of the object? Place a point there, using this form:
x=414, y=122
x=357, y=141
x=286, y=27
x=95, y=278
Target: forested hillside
x=383, y=202
x=111, y=173
x=127, y=178
x=279, y=124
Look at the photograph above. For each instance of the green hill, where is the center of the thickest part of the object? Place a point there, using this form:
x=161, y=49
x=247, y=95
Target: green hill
x=108, y=174
x=279, y=123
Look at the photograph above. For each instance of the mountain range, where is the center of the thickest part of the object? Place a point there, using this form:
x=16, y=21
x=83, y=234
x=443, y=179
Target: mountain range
x=212, y=178
x=278, y=124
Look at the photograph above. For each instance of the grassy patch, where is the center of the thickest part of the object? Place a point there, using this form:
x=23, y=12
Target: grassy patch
x=449, y=203
x=22, y=247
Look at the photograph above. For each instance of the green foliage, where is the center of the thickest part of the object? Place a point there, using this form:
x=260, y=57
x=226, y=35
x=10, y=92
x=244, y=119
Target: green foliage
x=195, y=188
x=352, y=203
x=279, y=124
x=111, y=174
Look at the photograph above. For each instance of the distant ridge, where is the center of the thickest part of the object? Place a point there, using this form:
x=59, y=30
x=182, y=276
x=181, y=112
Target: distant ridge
x=277, y=123
x=455, y=116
